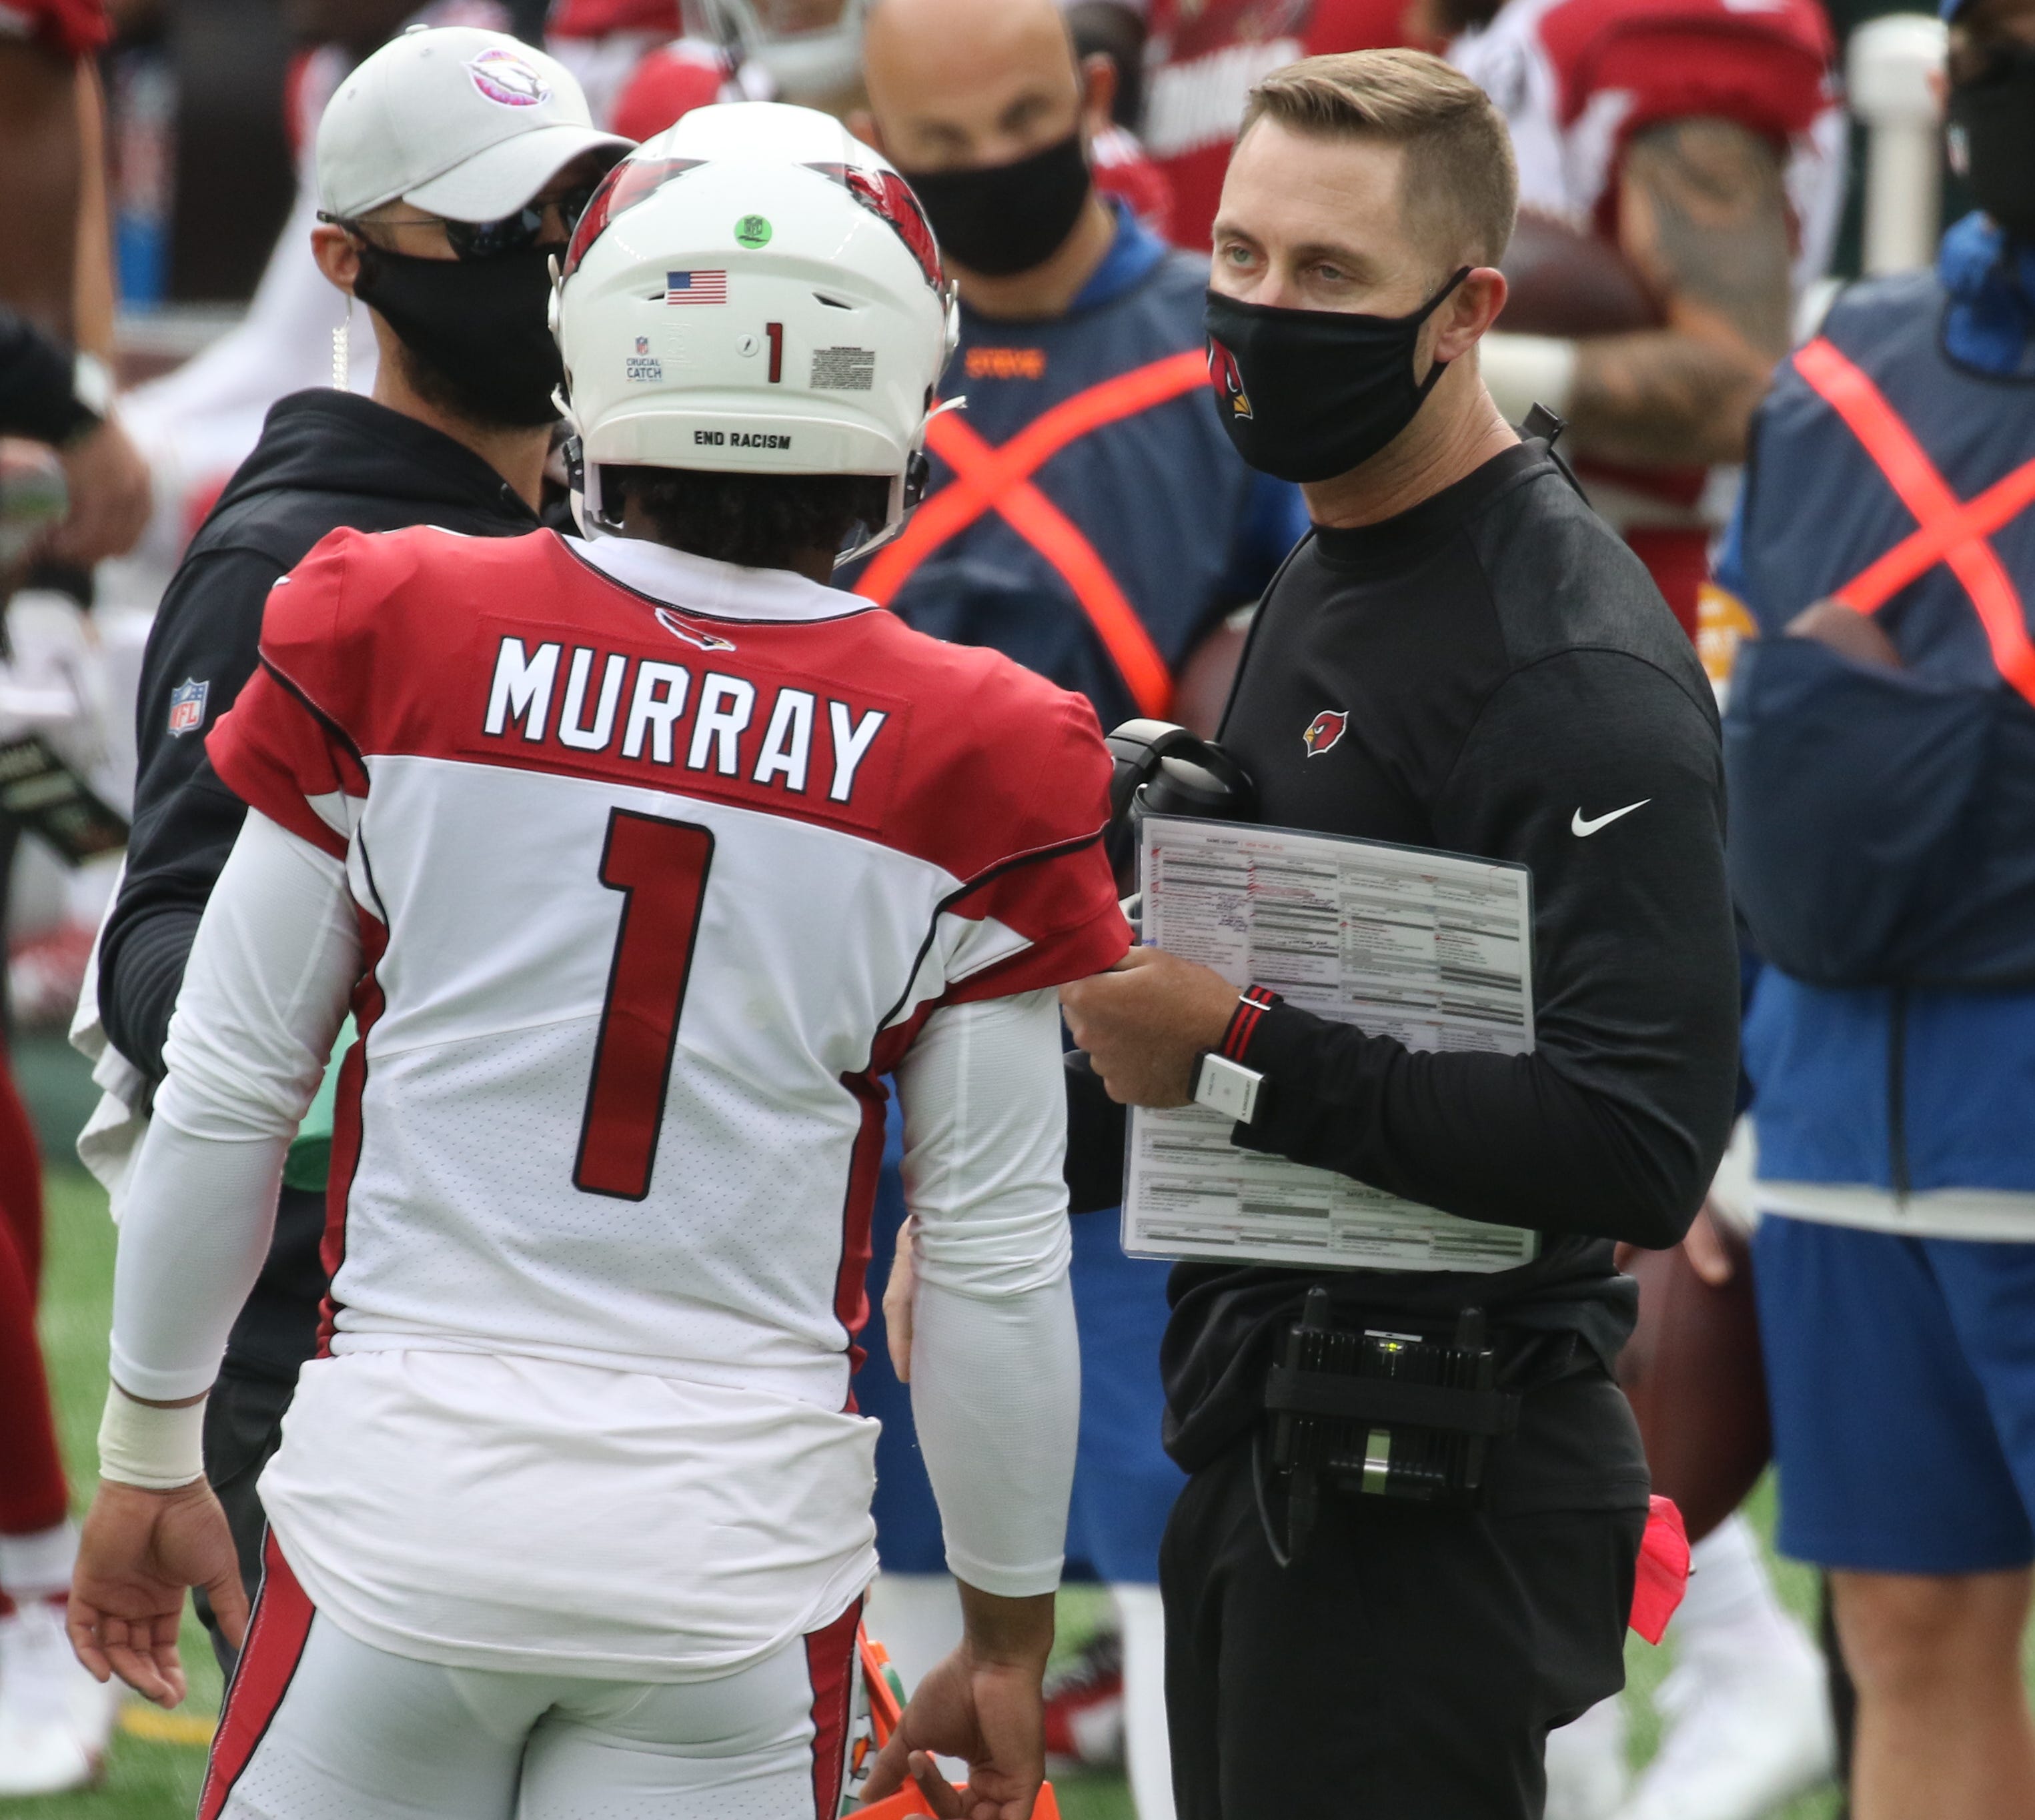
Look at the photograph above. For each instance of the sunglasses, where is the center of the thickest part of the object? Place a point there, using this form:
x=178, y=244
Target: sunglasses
x=478, y=240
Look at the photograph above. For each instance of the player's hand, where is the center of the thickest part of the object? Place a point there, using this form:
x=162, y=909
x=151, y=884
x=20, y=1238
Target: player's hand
x=1846, y=631
x=111, y=495
x=900, y=1295
x=141, y=1549
x=991, y=1715
x=1144, y=1022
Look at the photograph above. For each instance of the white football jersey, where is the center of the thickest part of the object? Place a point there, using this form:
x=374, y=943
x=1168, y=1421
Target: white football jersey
x=660, y=865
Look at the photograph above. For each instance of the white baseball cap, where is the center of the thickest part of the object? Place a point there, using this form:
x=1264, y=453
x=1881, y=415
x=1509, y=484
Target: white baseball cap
x=460, y=123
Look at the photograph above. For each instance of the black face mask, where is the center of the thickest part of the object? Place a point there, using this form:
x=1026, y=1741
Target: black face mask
x=1309, y=394
x=1001, y=219
x=475, y=326
x=1993, y=120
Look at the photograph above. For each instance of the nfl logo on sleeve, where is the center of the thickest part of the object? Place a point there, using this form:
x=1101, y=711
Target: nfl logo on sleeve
x=187, y=707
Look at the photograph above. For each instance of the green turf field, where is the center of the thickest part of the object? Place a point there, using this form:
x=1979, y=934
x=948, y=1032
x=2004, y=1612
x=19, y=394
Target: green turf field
x=152, y=1776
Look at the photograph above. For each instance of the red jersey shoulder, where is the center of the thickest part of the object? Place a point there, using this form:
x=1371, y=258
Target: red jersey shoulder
x=1002, y=761
x=668, y=84
x=1764, y=63
x=70, y=27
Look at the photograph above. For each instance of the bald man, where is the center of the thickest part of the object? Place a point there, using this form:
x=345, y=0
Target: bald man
x=1113, y=566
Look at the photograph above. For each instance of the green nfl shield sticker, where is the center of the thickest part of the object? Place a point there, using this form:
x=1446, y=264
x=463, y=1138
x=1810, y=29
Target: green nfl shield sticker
x=753, y=231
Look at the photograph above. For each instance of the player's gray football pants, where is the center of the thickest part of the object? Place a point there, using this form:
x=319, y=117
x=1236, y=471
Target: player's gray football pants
x=320, y=1726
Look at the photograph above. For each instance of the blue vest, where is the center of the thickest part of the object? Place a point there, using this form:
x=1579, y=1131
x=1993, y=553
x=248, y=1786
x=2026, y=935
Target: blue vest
x=1882, y=821
x=1185, y=530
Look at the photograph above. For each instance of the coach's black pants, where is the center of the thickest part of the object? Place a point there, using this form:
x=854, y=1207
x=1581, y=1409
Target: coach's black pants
x=1410, y=1665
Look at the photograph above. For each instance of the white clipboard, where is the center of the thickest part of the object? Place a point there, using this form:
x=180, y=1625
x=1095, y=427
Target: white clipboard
x=1433, y=949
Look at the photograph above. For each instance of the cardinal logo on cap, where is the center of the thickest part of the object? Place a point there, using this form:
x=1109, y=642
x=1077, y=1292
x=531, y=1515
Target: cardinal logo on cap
x=1324, y=730
x=1228, y=383
x=504, y=78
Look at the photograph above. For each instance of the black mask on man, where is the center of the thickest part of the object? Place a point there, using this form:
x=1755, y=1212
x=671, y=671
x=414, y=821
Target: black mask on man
x=1001, y=219
x=1309, y=394
x=1993, y=118
x=476, y=327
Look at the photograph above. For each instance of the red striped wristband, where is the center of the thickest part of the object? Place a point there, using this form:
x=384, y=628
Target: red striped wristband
x=1251, y=1005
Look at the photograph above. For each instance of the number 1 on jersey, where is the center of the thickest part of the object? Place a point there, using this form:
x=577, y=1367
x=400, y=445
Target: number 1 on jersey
x=660, y=868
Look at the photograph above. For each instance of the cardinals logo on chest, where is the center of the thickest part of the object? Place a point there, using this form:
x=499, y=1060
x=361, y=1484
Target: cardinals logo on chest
x=1324, y=731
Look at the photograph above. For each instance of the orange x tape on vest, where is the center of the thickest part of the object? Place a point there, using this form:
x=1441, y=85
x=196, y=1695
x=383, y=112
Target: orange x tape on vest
x=1948, y=529
x=992, y=478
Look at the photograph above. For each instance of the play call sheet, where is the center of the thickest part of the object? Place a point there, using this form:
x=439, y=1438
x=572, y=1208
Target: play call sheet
x=1433, y=949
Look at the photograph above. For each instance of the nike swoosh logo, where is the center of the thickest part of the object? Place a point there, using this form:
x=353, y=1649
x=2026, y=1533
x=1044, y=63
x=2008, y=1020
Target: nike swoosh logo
x=1578, y=825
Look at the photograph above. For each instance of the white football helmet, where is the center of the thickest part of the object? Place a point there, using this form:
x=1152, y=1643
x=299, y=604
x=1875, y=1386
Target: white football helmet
x=811, y=49
x=753, y=291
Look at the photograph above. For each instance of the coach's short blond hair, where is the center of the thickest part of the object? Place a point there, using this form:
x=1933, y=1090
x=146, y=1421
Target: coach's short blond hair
x=1462, y=189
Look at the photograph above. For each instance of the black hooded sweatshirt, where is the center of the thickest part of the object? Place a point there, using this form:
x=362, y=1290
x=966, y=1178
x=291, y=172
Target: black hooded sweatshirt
x=326, y=461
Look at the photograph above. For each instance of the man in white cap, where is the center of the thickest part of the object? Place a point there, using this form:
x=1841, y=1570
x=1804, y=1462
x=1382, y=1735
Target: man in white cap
x=451, y=165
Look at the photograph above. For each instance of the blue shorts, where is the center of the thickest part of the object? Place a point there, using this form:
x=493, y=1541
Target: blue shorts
x=1124, y=1484
x=1901, y=1374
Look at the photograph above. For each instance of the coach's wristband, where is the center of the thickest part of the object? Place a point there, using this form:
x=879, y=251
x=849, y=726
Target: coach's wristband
x=156, y=1449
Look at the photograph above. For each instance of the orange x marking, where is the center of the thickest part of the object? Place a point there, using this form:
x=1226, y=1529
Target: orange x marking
x=1947, y=529
x=989, y=478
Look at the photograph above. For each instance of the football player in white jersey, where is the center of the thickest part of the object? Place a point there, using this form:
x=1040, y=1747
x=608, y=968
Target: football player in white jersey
x=639, y=861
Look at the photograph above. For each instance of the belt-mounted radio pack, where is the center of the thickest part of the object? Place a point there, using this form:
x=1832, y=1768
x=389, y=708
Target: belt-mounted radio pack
x=1372, y=1413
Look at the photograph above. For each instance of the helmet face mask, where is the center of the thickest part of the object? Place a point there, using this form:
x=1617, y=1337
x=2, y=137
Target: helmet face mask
x=753, y=291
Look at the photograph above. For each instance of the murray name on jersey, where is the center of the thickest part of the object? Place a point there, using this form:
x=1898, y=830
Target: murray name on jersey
x=800, y=739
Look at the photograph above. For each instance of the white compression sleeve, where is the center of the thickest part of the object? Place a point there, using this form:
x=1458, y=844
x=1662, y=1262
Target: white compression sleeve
x=995, y=1361
x=264, y=995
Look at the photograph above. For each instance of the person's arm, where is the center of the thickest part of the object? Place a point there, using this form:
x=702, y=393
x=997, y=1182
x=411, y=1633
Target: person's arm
x=207, y=632
x=1702, y=213
x=1613, y=1126
x=49, y=394
x=38, y=393
x=994, y=1365
x=275, y=960
x=40, y=153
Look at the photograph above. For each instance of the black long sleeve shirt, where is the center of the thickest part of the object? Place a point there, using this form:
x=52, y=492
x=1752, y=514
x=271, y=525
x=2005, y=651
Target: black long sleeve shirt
x=1514, y=687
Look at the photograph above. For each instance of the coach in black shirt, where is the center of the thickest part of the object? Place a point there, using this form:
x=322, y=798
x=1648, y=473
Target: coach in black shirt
x=1460, y=656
